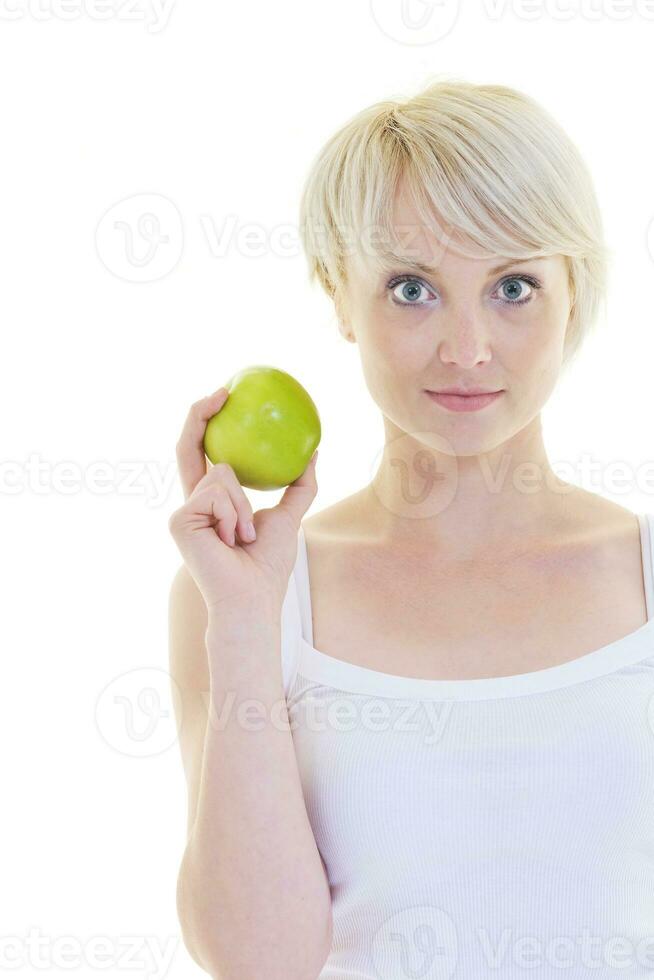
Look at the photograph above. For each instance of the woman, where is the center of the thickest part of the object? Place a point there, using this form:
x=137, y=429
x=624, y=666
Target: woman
x=465, y=647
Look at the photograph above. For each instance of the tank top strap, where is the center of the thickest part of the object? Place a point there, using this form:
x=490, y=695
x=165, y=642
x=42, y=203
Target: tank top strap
x=303, y=589
x=647, y=549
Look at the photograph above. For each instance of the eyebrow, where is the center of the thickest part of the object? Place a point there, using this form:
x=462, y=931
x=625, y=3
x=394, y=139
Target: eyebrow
x=428, y=270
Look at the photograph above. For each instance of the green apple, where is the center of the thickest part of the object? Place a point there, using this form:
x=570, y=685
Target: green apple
x=267, y=430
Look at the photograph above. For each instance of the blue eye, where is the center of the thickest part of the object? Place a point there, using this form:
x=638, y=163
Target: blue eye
x=412, y=288
x=532, y=283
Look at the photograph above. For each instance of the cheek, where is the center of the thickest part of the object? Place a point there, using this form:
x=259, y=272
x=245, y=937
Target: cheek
x=536, y=337
x=396, y=359
x=534, y=365
x=391, y=360
x=398, y=341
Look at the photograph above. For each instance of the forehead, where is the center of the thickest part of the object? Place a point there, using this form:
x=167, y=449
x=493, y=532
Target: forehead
x=425, y=242
x=425, y=233
x=447, y=258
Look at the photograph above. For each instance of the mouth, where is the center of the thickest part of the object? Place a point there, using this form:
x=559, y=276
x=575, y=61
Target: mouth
x=464, y=403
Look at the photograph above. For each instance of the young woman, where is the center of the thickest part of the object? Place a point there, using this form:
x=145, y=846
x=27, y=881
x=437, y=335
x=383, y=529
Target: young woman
x=464, y=649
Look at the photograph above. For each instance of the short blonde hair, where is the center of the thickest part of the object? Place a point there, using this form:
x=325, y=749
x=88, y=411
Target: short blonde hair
x=487, y=159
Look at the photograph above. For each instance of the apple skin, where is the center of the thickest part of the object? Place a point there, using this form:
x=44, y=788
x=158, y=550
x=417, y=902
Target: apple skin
x=267, y=430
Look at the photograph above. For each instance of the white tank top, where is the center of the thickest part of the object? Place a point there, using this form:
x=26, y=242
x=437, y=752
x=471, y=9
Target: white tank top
x=494, y=827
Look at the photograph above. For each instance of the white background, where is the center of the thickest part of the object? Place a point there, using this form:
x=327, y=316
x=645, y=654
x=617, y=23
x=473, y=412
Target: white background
x=218, y=110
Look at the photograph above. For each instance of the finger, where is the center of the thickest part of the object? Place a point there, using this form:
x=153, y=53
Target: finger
x=191, y=459
x=298, y=496
x=223, y=475
x=209, y=504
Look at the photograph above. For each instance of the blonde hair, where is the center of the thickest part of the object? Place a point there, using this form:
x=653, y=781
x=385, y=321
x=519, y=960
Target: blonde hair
x=488, y=159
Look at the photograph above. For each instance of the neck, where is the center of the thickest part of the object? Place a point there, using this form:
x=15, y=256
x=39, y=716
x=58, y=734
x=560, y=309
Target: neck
x=423, y=494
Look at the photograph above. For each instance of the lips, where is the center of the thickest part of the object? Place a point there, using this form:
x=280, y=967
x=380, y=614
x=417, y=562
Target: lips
x=464, y=403
x=466, y=391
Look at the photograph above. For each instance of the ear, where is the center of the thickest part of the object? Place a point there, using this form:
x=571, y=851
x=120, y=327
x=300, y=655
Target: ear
x=343, y=321
x=346, y=331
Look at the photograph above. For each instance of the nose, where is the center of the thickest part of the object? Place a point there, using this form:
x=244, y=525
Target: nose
x=465, y=339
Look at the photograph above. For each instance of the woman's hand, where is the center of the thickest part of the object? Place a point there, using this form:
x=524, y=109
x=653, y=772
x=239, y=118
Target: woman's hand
x=211, y=528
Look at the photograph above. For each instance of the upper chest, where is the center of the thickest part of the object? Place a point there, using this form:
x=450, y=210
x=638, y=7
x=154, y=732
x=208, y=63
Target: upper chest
x=421, y=618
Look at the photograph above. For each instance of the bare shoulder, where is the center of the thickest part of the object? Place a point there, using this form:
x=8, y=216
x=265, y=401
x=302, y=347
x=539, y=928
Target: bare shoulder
x=601, y=521
x=340, y=550
x=340, y=521
x=187, y=622
x=598, y=538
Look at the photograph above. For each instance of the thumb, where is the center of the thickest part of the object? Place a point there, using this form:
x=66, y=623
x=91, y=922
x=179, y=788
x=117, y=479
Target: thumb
x=299, y=494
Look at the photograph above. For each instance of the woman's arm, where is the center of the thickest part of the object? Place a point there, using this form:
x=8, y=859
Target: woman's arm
x=252, y=894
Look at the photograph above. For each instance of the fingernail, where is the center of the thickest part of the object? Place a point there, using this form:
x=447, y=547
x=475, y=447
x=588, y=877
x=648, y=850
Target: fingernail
x=250, y=531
